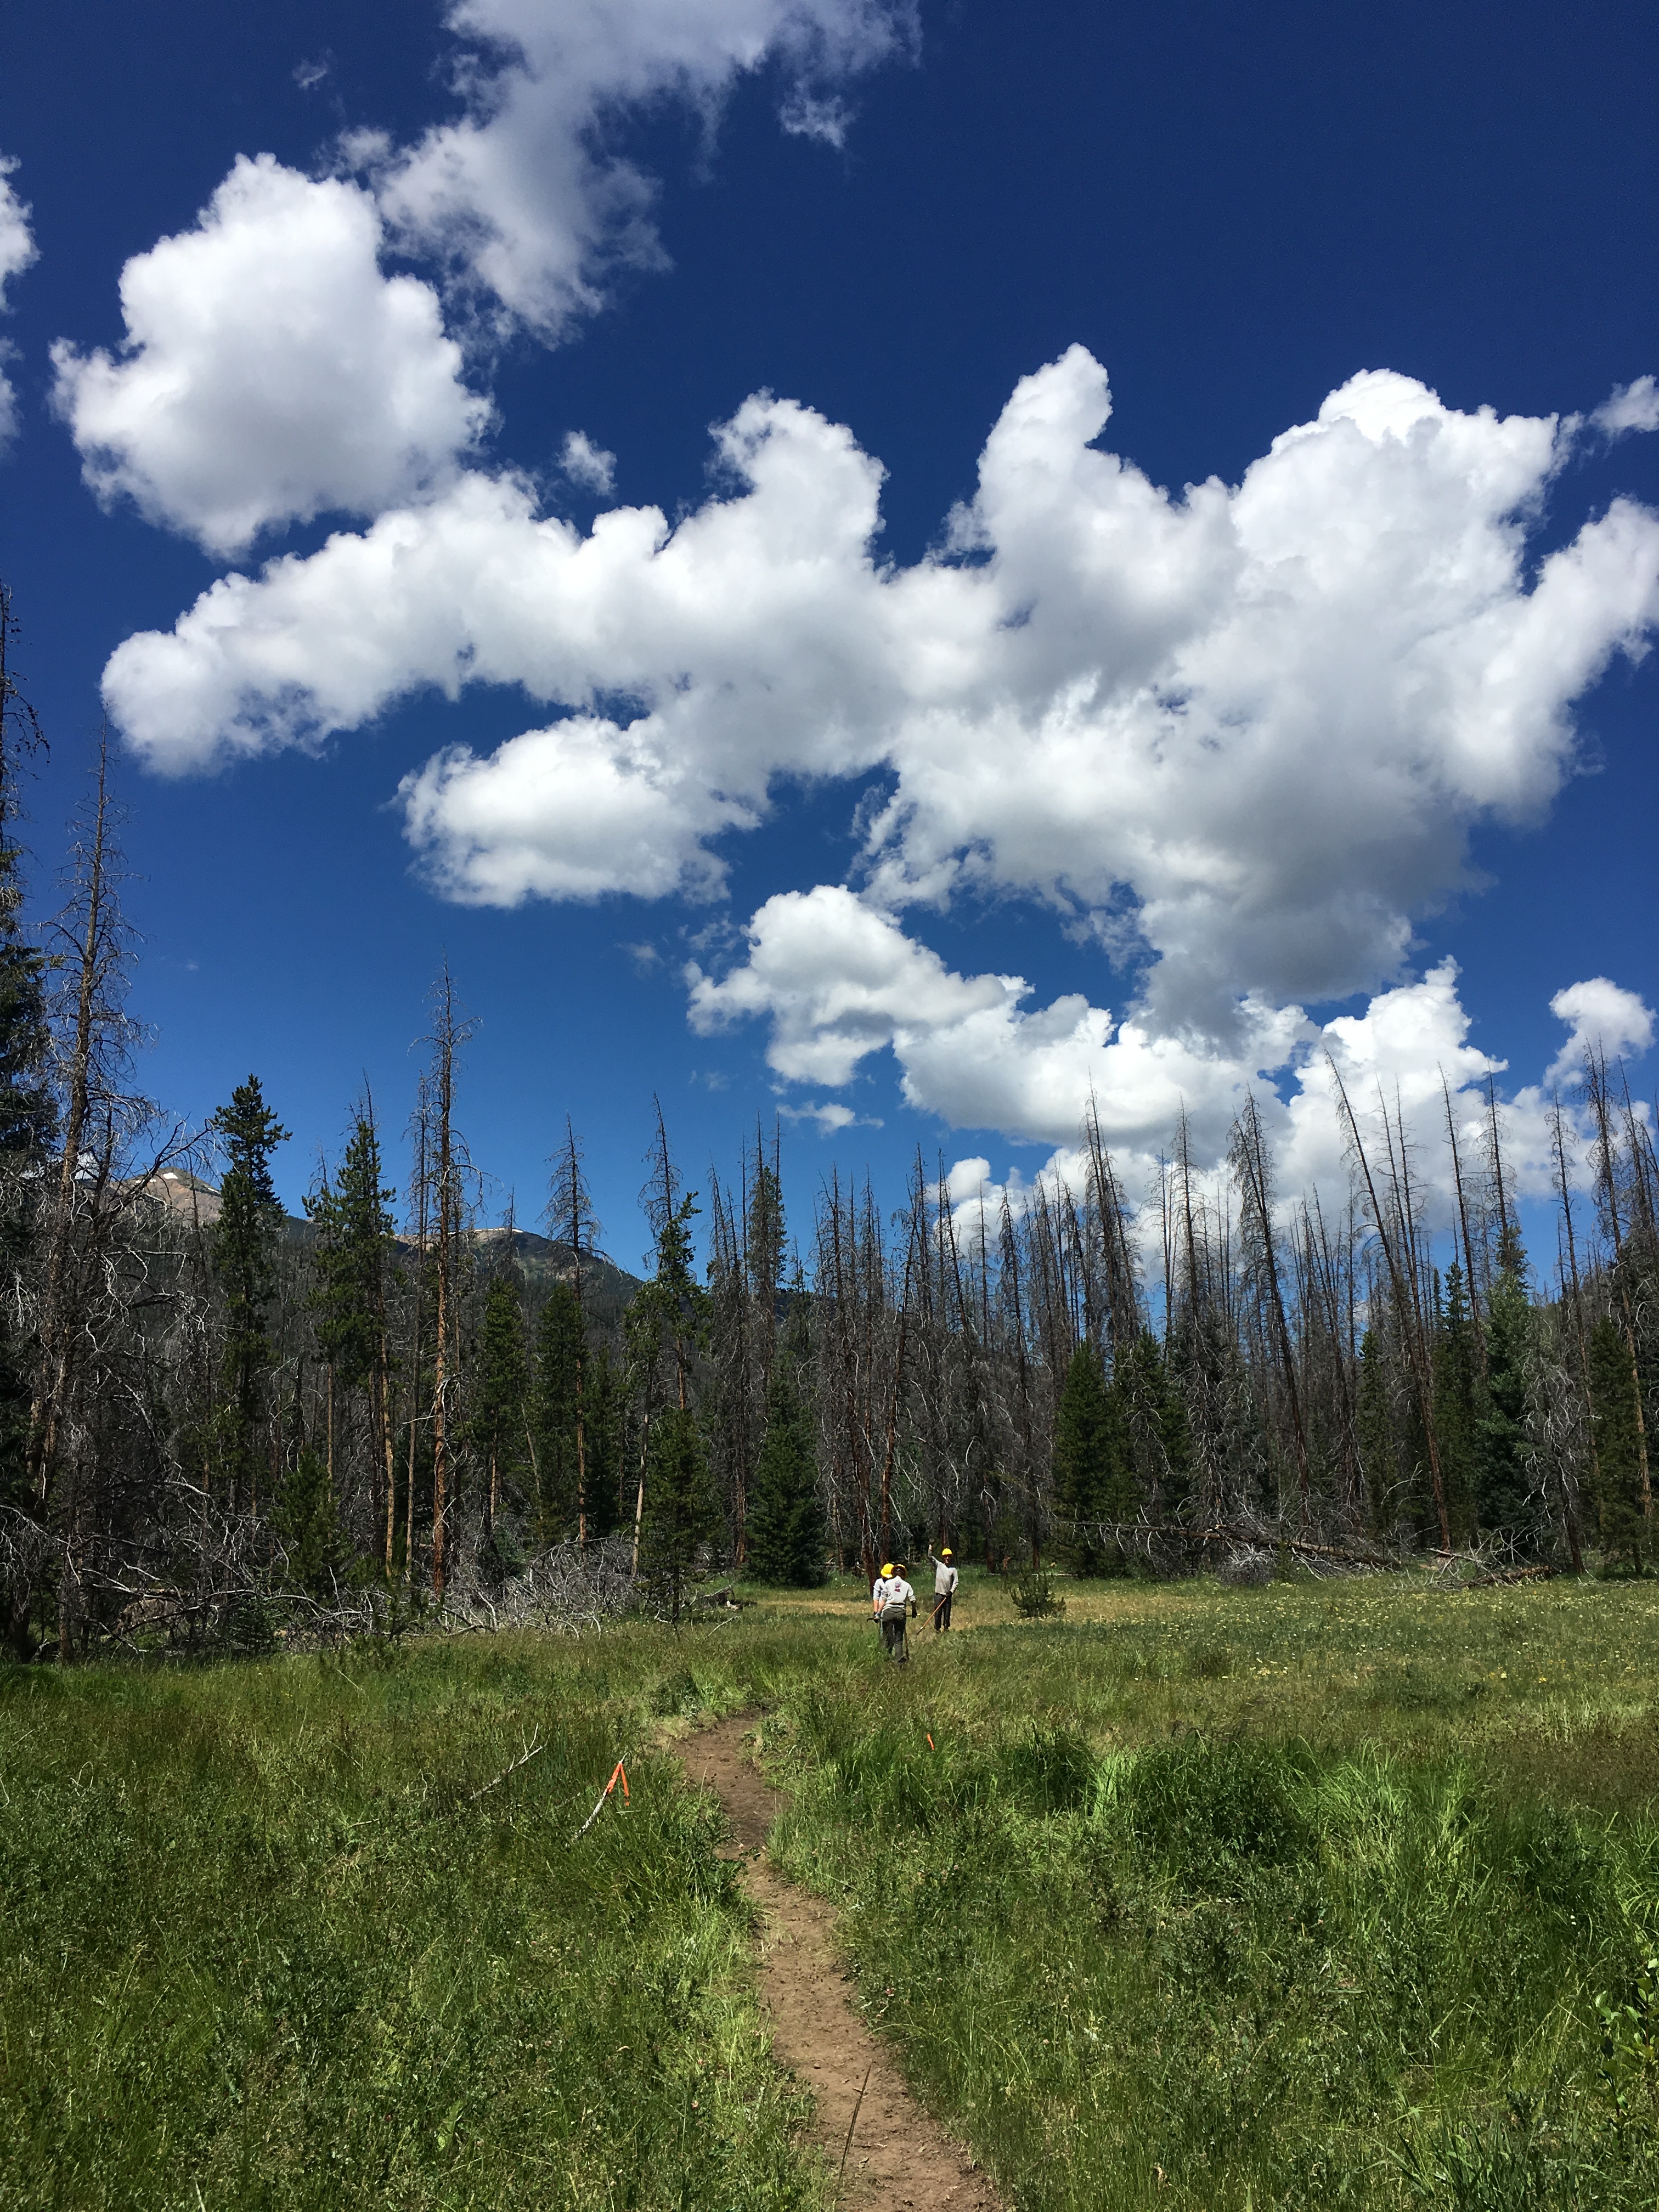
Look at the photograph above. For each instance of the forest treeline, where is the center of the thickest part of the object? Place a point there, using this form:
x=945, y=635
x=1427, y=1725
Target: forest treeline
x=213, y=1417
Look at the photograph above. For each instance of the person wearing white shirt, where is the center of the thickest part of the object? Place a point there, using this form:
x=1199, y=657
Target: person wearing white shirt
x=890, y=1598
x=944, y=1586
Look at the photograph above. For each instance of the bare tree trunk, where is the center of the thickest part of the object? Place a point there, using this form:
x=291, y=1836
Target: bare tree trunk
x=1561, y=1151
x=444, y=1056
x=1598, y=1090
x=56, y=1328
x=422, y=1224
x=1463, y=1219
x=1406, y=1306
x=892, y=1415
x=1251, y=1166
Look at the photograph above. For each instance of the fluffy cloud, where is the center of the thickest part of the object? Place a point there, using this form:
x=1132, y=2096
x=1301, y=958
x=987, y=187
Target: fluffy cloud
x=271, y=371
x=1602, y=1019
x=587, y=464
x=16, y=252
x=520, y=197
x=708, y=626
x=838, y=981
x=1262, y=718
x=565, y=812
x=1631, y=407
x=1406, y=1058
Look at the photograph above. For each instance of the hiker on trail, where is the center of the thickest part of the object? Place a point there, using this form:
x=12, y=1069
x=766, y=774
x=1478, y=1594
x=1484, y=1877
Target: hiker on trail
x=944, y=1586
x=889, y=1600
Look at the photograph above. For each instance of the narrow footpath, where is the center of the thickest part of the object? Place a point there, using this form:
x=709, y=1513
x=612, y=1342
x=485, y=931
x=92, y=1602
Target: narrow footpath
x=899, y=2157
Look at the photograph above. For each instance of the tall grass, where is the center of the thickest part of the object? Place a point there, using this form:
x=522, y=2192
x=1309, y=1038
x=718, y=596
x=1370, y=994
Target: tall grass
x=1302, y=1896
x=1170, y=1937
x=260, y=1945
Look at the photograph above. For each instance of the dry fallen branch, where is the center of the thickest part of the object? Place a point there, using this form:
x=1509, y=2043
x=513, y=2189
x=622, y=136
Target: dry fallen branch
x=534, y=1750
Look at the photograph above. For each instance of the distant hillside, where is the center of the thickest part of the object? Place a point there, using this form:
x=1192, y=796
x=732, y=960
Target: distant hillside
x=184, y=1195
x=541, y=1261
x=544, y=1260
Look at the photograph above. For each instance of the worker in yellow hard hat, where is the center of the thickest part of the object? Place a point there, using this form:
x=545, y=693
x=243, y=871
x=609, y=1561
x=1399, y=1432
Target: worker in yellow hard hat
x=890, y=1598
x=944, y=1586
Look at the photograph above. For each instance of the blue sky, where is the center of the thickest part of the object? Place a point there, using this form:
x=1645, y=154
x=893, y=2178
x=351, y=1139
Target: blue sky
x=1205, y=772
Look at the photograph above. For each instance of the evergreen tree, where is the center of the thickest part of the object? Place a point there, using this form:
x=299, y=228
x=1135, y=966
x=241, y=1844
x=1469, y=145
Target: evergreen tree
x=1456, y=1405
x=785, y=1531
x=571, y=1218
x=349, y=1263
x=1379, y=1459
x=553, y=1413
x=671, y=1309
x=501, y=1387
x=1160, y=1440
x=608, y=1434
x=1503, y=1483
x=357, y=1229
x=681, y=1513
x=1618, y=1457
x=304, y=1516
x=243, y=1257
x=1094, y=1479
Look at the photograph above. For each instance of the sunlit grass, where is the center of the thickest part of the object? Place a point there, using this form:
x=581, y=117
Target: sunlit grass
x=261, y=1941
x=1302, y=1895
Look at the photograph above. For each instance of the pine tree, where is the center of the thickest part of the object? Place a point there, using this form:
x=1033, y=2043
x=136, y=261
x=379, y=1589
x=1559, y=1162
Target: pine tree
x=785, y=1529
x=1094, y=1479
x=1160, y=1440
x=1618, y=1457
x=671, y=1309
x=553, y=1413
x=350, y=1263
x=571, y=1218
x=500, y=1386
x=305, y=1518
x=681, y=1512
x=243, y=1257
x=1502, y=1482
x=1379, y=1458
x=607, y=1430
x=1456, y=1404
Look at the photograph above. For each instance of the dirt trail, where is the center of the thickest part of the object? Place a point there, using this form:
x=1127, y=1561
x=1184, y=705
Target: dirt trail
x=900, y=2158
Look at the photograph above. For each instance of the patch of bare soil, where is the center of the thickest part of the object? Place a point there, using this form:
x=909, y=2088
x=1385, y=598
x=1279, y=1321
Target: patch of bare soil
x=898, y=2156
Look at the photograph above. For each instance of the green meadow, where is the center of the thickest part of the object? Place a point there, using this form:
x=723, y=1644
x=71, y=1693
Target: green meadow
x=1316, y=1894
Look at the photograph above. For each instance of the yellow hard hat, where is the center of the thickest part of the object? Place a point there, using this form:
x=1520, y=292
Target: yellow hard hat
x=888, y=1569
x=945, y=1554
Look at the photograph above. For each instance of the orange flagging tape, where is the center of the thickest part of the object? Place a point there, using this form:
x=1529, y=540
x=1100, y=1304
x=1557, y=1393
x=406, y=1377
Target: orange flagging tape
x=930, y=1743
x=618, y=1773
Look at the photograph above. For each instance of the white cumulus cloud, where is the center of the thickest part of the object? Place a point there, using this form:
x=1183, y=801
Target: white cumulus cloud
x=521, y=195
x=1630, y=407
x=570, y=811
x=1603, y=1017
x=587, y=464
x=17, y=251
x=837, y=981
x=1407, y=1060
x=271, y=371
x=1260, y=719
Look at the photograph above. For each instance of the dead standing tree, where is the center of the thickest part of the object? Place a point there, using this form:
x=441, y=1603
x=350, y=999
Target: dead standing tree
x=1248, y=1153
x=114, y=1155
x=451, y=1171
x=1595, y=1072
x=1400, y=1260
x=571, y=1220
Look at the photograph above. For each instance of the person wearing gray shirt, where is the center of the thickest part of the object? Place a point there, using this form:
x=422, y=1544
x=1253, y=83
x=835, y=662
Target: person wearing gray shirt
x=944, y=1586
